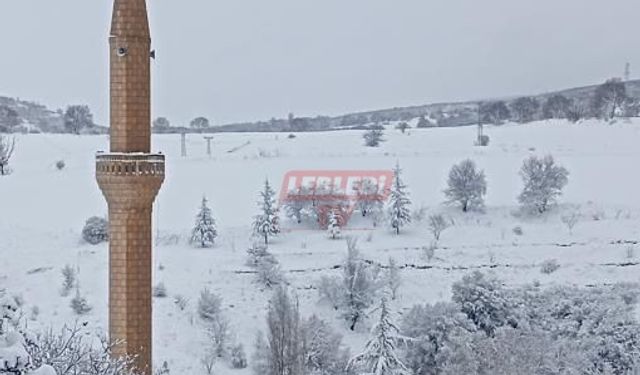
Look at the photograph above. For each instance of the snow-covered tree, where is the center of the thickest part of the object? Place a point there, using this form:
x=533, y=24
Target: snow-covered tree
x=381, y=355
x=543, y=182
x=393, y=278
x=266, y=224
x=524, y=109
x=373, y=137
x=369, y=198
x=609, y=99
x=69, y=280
x=484, y=301
x=403, y=126
x=399, y=202
x=77, y=117
x=209, y=305
x=437, y=224
x=423, y=122
x=324, y=352
x=333, y=225
x=466, y=186
x=359, y=285
x=204, y=233
x=7, y=147
x=285, y=336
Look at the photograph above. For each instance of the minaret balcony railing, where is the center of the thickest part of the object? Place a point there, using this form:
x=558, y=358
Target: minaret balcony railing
x=130, y=164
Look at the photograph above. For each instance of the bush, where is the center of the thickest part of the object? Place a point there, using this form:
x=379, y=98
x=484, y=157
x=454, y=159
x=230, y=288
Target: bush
x=549, y=266
x=79, y=304
x=160, y=291
x=209, y=305
x=96, y=230
x=69, y=279
x=60, y=164
x=238, y=357
x=517, y=230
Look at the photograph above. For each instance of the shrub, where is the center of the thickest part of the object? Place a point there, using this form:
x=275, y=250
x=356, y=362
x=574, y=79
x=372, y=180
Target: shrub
x=209, y=305
x=160, y=291
x=96, y=230
x=517, y=230
x=238, y=357
x=549, y=266
x=60, y=164
x=79, y=304
x=69, y=279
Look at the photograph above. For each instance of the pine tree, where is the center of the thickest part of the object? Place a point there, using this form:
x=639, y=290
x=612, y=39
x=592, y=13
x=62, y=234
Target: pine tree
x=333, y=227
x=266, y=224
x=379, y=356
x=399, y=202
x=204, y=233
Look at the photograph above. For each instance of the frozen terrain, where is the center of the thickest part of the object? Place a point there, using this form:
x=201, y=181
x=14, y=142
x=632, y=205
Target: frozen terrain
x=42, y=212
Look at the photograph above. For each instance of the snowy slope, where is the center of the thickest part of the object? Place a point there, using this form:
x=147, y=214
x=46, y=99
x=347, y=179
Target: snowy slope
x=43, y=211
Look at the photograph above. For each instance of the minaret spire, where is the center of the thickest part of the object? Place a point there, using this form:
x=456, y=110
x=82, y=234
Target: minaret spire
x=130, y=19
x=130, y=178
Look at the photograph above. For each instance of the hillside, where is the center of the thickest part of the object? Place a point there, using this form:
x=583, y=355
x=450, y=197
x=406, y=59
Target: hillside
x=37, y=118
x=446, y=114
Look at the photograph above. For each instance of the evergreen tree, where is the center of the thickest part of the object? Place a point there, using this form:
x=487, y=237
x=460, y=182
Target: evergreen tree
x=333, y=226
x=399, y=202
x=204, y=233
x=379, y=356
x=266, y=224
x=423, y=122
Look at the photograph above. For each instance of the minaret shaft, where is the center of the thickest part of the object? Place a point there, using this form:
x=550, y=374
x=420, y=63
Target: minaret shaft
x=130, y=178
x=130, y=43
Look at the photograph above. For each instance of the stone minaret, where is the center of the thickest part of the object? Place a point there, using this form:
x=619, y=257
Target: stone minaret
x=130, y=177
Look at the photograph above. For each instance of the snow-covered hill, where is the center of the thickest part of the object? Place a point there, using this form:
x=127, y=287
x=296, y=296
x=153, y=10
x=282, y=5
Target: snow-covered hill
x=42, y=211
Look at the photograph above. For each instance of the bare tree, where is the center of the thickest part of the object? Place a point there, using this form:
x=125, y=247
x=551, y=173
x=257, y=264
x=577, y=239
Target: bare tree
x=493, y=112
x=77, y=117
x=437, y=225
x=285, y=335
x=571, y=220
x=556, y=106
x=200, y=123
x=609, y=99
x=7, y=147
x=524, y=109
x=467, y=186
x=403, y=126
x=543, y=182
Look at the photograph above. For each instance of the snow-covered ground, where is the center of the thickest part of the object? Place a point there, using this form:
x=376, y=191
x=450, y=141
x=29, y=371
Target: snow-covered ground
x=42, y=211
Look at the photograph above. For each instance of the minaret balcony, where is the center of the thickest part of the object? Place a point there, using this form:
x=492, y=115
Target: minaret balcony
x=129, y=164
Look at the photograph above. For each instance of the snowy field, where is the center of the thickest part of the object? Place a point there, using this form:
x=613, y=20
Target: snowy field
x=43, y=210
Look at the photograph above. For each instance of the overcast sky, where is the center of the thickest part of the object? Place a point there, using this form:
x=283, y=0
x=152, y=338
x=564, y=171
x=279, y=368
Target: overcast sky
x=239, y=60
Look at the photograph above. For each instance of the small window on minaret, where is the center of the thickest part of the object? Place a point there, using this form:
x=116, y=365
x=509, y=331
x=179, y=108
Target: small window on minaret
x=122, y=51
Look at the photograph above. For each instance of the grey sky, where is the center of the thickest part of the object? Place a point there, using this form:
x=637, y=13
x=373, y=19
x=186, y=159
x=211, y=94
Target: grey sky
x=239, y=60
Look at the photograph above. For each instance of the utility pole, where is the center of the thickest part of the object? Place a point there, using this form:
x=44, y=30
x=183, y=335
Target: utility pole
x=183, y=144
x=208, y=139
x=627, y=72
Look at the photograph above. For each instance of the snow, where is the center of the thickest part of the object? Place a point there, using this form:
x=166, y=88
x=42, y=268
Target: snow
x=42, y=212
